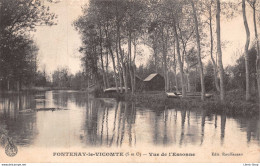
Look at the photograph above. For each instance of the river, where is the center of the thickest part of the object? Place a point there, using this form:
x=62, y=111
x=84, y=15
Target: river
x=84, y=121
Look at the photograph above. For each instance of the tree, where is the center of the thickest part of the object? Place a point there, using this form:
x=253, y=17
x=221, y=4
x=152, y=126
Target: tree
x=238, y=71
x=246, y=50
x=219, y=52
x=198, y=51
x=254, y=4
x=209, y=8
x=17, y=50
x=61, y=78
x=209, y=77
x=134, y=20
x=179, y=60
x=116, y=25
x=18, y=62
x=174, y=16
x=23, y=16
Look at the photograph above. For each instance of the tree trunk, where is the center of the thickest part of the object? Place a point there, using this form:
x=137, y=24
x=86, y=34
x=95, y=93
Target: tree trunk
x=188, y=75
x=164, y=60
x=114, y=68
x=124, y=65
x=101, y=58
x=18, y=86
x=134, y=66
x=168, y=81
x=220, y=65
x=109, y=49
x=257, y=49
x=185, y=59
x=175, y=68
x=103, y=71
x=211, y=51
x=120, y=50
x=176, y=78
x=196, y=74
x=130, y=62
x=106, y=73
x=199, y=52
x=8, y=85
x=166, y=66
x=132, y=79
x=155, y=58
x=119, y=68
x=179, y=60
x=246, y=50
x=125, y=75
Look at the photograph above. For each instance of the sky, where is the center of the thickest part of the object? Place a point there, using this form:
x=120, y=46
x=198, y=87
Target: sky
x=59, y=44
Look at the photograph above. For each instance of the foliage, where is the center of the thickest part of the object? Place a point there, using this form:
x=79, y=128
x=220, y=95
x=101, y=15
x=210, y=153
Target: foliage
x=63, y=79
x=237, y=72
x=18, y=52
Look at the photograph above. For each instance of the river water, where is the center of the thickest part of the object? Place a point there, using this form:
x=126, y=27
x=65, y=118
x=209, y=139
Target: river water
x=81, y=120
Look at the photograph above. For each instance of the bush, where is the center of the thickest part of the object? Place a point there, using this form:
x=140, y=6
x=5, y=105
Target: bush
x=97, y=92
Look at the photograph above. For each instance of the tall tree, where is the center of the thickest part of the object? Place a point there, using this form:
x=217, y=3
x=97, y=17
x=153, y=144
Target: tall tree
x=219, y=52
x=209, y=8
x=246, y=50
x=179, y=60
x=253, y=4
x=198, y=51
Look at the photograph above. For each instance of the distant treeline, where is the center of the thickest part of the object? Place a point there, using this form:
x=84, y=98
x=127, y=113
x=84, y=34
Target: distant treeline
x=62, y=79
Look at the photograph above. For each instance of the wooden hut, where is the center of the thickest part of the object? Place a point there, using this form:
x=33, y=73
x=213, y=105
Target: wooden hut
x=139, y=83
x=154, y=82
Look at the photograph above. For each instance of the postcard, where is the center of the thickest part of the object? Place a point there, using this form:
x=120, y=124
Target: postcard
x=129, y=81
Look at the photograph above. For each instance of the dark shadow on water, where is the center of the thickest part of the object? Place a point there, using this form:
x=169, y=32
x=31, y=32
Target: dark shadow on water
x=21, y=127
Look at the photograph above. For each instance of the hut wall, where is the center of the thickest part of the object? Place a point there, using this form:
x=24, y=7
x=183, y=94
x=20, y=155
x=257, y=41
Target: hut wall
x=155, y=84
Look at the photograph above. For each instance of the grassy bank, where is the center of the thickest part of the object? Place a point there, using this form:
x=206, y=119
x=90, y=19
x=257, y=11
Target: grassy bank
x=234, y=103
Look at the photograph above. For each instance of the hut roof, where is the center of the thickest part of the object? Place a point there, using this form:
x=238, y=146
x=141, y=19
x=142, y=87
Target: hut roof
x=150, y=77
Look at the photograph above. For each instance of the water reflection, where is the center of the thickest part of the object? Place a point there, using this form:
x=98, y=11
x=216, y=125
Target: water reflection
x=223, y=125
x=20, y=127
x=85, y=121
x=109, y=125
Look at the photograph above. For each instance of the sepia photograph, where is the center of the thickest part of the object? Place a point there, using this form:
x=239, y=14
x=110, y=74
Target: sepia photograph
x=129, y=81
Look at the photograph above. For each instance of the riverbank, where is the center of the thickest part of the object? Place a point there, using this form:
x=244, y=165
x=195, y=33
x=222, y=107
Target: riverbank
x=37, y=89
x=30, y=90
x=234, y=103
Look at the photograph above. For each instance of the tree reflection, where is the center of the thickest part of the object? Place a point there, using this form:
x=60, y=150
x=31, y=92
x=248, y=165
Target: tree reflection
x=91, y=122
x=223, y=125
x=183, y=117
x=203, y=118
x=114, y=125
x=21, y=126
x=101, y=130
x=157, y=115
x=106, y=122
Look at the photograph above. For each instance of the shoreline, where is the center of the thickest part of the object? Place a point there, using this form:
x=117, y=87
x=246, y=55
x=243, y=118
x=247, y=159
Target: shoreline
x=231, y=106
x=38, y=89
